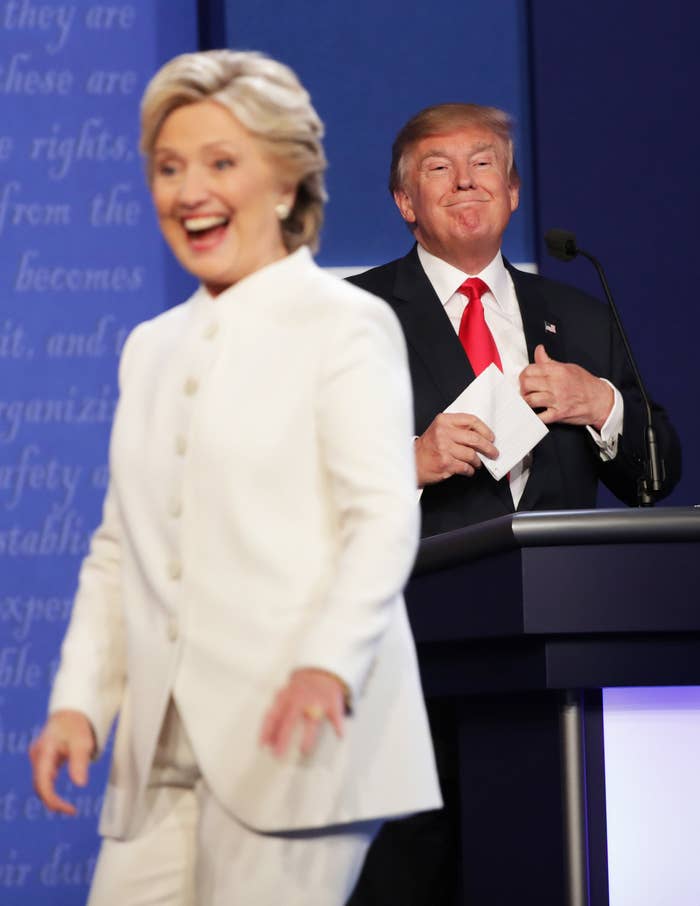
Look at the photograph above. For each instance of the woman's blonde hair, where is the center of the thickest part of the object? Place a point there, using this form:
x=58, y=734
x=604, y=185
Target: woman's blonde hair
x=267, y=98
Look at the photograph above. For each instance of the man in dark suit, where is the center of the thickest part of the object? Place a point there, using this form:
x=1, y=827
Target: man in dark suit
x=454, y=180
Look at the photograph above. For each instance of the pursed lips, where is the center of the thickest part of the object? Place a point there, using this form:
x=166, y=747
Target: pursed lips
x=465, y=201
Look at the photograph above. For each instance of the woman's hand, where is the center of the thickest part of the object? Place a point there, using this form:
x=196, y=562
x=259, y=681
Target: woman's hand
x=67, y=737
x=310, y=697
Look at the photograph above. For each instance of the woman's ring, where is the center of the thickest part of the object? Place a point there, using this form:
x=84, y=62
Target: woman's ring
x=314, y=712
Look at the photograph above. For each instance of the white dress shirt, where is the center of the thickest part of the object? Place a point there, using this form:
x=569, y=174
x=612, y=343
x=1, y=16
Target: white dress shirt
x=502, y=314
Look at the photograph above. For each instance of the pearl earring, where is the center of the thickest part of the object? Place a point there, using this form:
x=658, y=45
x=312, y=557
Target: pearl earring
x=282, y=210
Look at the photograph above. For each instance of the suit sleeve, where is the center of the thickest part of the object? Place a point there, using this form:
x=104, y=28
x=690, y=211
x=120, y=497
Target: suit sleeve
x=364, y=414
x=91, y=676
x=92, y=673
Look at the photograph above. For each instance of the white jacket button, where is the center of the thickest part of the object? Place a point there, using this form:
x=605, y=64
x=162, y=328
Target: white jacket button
x=175, y=569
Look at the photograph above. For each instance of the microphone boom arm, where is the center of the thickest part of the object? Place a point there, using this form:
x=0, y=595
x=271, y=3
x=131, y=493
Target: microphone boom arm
x=562, y=244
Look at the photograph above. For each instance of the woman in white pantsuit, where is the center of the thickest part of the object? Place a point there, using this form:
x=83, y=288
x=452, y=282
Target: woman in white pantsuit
x=240, y=608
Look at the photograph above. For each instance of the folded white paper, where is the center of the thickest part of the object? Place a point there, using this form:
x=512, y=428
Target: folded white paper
x=496, y=402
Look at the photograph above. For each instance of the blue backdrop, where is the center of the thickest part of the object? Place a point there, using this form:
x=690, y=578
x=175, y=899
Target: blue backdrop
x=82, y=263
x=370, y=66
x=616, y=145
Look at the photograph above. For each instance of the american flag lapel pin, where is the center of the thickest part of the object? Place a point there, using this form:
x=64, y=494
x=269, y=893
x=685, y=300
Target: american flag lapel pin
x=549, y=327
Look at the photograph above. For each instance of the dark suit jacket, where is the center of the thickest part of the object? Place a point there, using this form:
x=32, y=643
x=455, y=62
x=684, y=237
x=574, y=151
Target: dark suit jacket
x=566, y=465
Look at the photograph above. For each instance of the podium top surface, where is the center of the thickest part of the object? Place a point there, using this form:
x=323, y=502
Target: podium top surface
x=557, y=528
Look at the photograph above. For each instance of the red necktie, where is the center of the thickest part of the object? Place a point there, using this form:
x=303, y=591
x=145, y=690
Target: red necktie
x=474, y=333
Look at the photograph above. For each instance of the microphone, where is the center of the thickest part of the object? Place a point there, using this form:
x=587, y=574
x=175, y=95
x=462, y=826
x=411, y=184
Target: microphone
x=561, y=244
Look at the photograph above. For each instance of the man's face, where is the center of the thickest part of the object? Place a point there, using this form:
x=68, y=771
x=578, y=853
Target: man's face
x=457, y=193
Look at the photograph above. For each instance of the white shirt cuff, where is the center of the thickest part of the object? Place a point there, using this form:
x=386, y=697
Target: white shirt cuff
x=606, y=441
x=419, y=491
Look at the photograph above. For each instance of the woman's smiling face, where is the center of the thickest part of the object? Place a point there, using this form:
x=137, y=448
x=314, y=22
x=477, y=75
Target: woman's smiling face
x=215, y=191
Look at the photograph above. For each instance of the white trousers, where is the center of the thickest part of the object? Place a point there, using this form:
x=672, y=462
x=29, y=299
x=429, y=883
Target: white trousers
x=191, y=852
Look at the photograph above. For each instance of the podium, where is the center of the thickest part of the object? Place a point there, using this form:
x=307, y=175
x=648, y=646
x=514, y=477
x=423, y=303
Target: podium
x=521, y=622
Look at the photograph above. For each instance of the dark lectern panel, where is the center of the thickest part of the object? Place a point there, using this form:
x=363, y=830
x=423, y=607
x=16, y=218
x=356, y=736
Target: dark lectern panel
x=541, y=591
x=475, y=601
x=496, y=666
x=486, y=665
x=569, y=589
x=592, y=663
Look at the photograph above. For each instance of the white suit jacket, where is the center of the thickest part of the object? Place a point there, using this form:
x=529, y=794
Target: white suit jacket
x=261, y=516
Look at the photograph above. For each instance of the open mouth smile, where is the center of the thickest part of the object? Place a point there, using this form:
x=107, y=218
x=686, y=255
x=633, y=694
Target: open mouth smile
x=205, y=231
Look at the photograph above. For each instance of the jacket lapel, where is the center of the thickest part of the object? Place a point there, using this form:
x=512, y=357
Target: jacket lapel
x=540, y=321
x=428, y=329
x=541, y=324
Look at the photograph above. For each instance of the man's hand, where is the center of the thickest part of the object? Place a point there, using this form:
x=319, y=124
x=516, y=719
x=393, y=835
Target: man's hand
x=67, y=737
x=449, y=447
x=310, y=697
x=566, y=393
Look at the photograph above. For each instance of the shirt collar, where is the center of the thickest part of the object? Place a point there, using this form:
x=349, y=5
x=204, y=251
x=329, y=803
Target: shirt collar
x=446, y=279
x=262, y=284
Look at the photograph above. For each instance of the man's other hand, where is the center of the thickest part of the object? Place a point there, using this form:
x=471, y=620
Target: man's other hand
x=565, y=393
